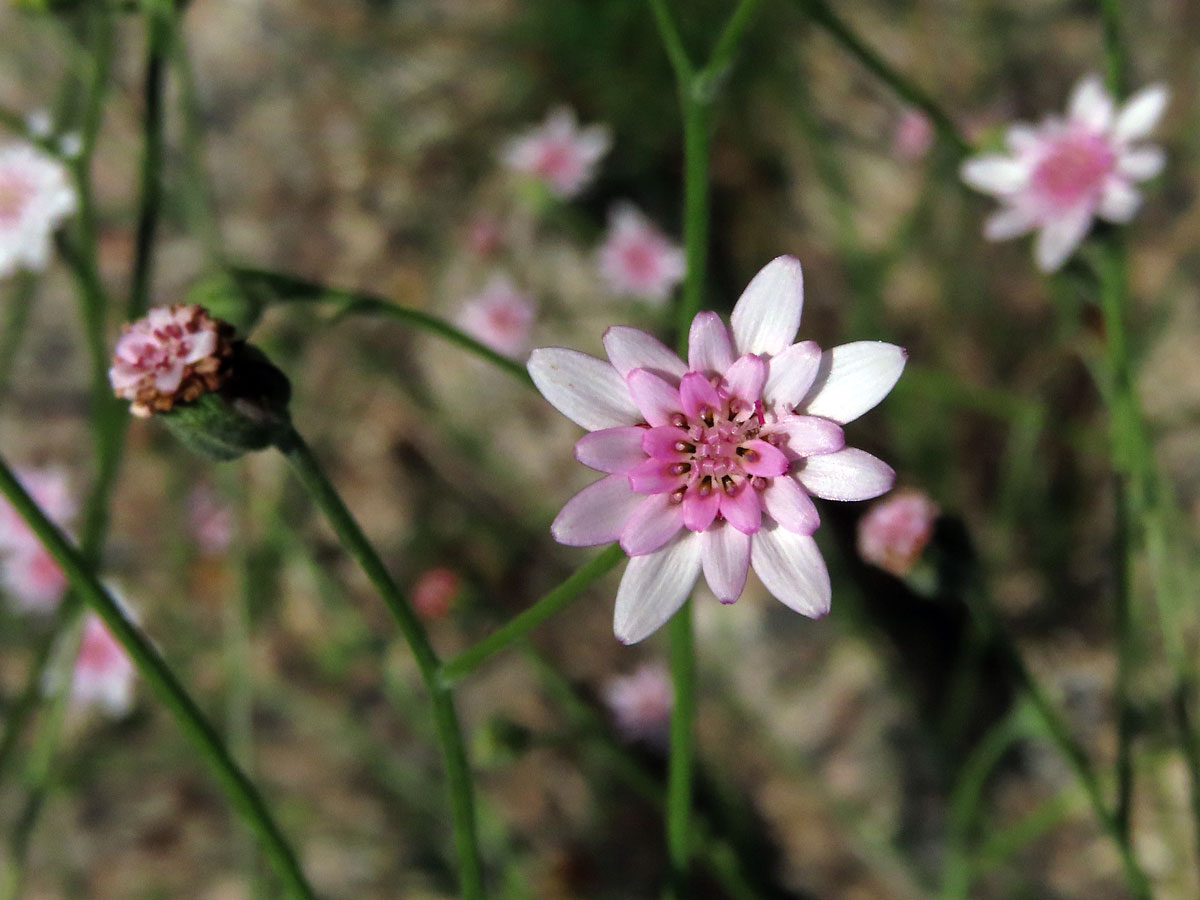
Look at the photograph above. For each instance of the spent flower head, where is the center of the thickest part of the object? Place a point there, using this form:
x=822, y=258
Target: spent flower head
x=499, y=316
x=638, y=259
x=36, y=196
x=894, y=531
x=711, y=464
x=558, y=152
x=1057, y=177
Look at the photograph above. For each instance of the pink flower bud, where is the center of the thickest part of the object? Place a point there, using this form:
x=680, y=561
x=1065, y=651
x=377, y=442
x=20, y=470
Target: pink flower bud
x=894, y=531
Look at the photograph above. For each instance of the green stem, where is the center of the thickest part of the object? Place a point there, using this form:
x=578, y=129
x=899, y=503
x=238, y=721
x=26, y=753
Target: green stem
x=15, y=323
x=682, y=757
x=668, y=33
x=1114, y=53
x=726, y=46
x=449, y=732
x=1123, y=626
x=823, y=15
x=459, y=667
x=162, y=681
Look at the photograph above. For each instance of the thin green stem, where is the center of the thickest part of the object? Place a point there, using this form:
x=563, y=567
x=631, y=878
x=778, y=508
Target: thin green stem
x=449, y=732
x=1114, y=52
x=459, y=667
x=668, y=33
x=695, y=211
x=822, y=14
x=682, y=757
x=727, y=44
x=162, y=681
x=1123, y=626
x=12, y=333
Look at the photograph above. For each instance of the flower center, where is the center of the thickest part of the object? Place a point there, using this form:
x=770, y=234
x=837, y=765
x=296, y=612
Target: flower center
x=1073, y=169
x=558, y=160
x=639, y=260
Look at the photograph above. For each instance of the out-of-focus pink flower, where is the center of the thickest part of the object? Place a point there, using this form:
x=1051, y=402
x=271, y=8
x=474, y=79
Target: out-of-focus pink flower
x=1057, y=177
x=210, y=521
x=500, y=317
x=103, y=674
x=36, y=195
x=913, y=135
x=636, y=258
x=894, y=532
x=485, y=237
x=559, y=152
x=173, y=355
x=32, y=579
x=29, y=575
x=641, y=703
x=434, y=592
x=710, y=464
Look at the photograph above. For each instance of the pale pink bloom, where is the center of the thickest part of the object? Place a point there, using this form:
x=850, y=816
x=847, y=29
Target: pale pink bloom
x=559, y=152
x=51, y=490
x=641, y=703
x=1057, y=177
x=500, y=317
x=485, y=237
x=636, y=258
x=710, y=464
x=913, y=135
x=434, y=592
x=210, y=521
x=173, y=355
x=32, y=579
x=103, y=674
x=36, y=195
x=894, y=532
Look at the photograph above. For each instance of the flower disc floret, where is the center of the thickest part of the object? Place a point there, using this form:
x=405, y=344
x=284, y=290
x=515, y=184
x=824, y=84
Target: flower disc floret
x=711, y=465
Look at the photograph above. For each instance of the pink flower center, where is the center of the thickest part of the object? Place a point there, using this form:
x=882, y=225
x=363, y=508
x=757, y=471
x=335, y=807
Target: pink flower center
x=640, y=261
x=15, y=193
x=558, y=160
x=1074, y=169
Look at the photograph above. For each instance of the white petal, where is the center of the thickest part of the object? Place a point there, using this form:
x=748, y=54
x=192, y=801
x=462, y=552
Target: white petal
x=848, y=474
x=1090, y=104
x=654, y=586
x=1141, y=163
x=791, y=567
x=586, y=390
x=767, y=315
x=791, y=373
x=709, y=348
x=994, y=174
x=1141, y=112
x=852, y=379
x=1059, y=238
x=597, y=514
x=1009, y=222
x=631, y=348
x=1119, y=202
x=789, y=505
x=611, y=449
x=1021, y=137
x=726, y=560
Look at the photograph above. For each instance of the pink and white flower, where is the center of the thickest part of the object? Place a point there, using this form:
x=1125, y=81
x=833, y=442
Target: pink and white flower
x=32, y=580
x=641, y=703
x=709, y=465
x=50, y=489
x=913, y=135
x=500, y=316
x=103, y=674
x=28, y=573
x=36, y=196
x=559, y=153
x=638, y=259
x=1059, y=176
x=894, y=532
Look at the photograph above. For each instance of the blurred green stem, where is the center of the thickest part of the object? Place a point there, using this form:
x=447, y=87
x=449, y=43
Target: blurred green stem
x=13, y=331
x=162, y=681
x=449, y=731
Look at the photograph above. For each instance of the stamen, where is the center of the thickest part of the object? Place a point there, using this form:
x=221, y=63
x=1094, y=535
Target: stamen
x=676, y=496
x=679, y=468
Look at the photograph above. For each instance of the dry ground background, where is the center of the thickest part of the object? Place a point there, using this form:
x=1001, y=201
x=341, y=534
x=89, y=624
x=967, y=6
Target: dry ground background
x=352, y=143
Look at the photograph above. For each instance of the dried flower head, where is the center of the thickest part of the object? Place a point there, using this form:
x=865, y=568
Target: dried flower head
x=36, y=195
x=894, y=532
x=173, y=355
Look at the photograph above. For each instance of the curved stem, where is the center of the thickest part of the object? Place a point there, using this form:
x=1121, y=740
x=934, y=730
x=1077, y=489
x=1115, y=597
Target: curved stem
x=449, y=732
x=162, y=681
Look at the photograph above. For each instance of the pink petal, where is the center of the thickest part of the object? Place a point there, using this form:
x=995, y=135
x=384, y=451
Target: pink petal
x=763, y=459
x=790, y=374
x=597, y=514
x=1119, y=201
x=655, y=476
x=1059, y=238
x=167, y=382
x=1141, y=163
x=709, y=349
x=742, y=509
x=1090, y=104
x=663, y=442
x=586, y=390
x=725, y=560
x=809, y=435
x=849, y=474
x=744, y=379
x=611, y=449
x=653, y=523
x=697, y=395
x=631, y=348
x=789, y=505
x=767, y=315
x=853, y=378
x=656, y=399
x=1140, y=114
x=699, y=510
x=654, y=587
x=791, y=567
x=995, y=174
